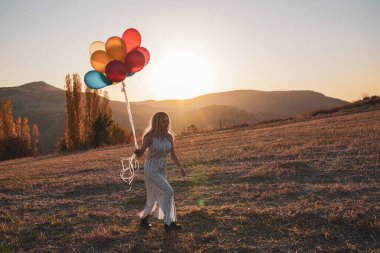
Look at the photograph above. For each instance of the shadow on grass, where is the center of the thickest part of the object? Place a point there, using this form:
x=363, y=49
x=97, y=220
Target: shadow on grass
x=95, y=189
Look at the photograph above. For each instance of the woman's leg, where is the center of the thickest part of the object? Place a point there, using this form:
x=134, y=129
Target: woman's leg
x=150, y=198
x=164, y=195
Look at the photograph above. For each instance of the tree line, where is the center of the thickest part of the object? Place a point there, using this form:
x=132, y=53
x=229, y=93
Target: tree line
x=15, y=137
x=89, y=124
x=89, y=121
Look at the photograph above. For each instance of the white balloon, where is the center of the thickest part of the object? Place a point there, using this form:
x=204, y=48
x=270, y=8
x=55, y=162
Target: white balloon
x=96, y=46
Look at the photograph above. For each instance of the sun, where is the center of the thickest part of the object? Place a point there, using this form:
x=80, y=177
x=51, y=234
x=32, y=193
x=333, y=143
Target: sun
x=182, y=74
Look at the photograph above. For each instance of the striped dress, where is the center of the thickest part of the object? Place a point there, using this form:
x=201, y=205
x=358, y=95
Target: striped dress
x=160, y=195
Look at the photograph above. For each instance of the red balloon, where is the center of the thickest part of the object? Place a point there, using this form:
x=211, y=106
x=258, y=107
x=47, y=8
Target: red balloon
x=145, y=52
x=132, y=39
x=134, y=61
x=115, y=71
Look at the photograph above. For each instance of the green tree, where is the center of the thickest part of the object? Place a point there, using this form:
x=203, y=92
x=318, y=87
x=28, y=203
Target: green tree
x=14, y=147
x=102, y=130
x=119, y=135
x=192, y=129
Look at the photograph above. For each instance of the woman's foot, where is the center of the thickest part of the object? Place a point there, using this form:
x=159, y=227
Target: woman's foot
x=172, y=227
x=144, y=223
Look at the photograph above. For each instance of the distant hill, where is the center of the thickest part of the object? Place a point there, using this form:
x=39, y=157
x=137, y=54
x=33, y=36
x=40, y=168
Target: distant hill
x=209, y=117
x=366, y=104
x=275, y=103
x=45, y=105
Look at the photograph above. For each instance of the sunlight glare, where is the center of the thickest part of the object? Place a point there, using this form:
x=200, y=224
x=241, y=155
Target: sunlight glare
x=182, y=74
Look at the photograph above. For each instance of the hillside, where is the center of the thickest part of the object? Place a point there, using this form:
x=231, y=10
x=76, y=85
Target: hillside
x=275, y=103
x=306, y=186
x=206, y=118
x=45, y=105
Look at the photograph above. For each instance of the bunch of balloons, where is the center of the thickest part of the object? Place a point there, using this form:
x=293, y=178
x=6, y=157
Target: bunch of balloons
x=116, y=59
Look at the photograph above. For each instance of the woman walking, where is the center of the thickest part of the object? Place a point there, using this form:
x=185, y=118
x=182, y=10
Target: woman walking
x=160, y=196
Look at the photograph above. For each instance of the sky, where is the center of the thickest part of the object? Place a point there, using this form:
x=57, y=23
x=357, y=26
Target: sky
x=200, y=46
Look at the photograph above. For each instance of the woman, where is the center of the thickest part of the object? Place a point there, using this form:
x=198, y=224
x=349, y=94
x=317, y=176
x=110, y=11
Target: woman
x=160, y=196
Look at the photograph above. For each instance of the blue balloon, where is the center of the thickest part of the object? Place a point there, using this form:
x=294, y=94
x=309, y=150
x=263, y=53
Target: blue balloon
x=130, y=74
x=96, y=80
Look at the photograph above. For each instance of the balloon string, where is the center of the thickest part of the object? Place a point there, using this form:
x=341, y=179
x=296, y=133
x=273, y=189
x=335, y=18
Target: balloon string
x=129, y=164
x=129, y=114
x=129, y=168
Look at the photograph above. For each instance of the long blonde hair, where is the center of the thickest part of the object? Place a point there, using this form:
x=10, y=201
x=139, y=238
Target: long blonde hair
x=154, y=126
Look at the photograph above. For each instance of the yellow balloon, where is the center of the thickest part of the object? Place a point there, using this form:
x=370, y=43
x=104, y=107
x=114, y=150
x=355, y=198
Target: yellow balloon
x=116, y=48
x=96, y=46
x=99, y=60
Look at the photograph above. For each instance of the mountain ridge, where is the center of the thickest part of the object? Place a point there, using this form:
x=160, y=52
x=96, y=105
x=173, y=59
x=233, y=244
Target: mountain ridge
x=255, y=101
x=45, y=105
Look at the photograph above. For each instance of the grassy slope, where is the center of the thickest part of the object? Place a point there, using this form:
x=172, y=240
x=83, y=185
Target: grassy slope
x=306, y=186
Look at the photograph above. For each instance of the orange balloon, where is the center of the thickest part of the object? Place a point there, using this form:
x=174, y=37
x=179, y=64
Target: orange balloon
x=116, y=48
x=99, y=60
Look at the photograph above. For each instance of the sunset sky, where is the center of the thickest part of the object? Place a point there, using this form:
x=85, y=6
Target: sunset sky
x=200, y=46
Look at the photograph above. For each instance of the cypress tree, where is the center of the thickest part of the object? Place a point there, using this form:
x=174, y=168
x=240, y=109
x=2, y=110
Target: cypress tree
x=78, y=112
x=8, y=126
x=36, y=139
x=18, y=127
x=69, y=129
x=88, y=115
x=26, y=132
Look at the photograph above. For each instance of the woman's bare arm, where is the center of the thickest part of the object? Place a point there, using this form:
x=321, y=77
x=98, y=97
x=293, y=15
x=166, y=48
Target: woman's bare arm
x=175, y=158
x=147, y=140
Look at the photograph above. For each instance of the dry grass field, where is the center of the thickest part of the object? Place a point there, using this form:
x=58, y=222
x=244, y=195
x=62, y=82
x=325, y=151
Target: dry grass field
x=306, y=186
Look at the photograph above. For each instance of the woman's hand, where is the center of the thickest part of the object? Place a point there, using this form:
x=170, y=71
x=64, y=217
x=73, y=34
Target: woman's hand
x=138, y=152
x=147, y=140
